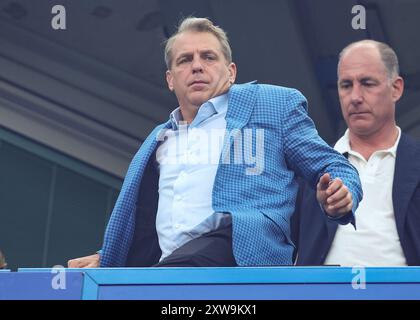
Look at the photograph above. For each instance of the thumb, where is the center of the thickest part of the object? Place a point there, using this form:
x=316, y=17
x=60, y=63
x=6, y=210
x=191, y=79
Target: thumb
x=324, y=181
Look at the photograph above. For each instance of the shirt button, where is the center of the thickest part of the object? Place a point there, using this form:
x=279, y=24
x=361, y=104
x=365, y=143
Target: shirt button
x=178, y=197
x=177, y=226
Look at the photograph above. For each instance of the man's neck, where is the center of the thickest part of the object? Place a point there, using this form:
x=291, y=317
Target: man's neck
x=367, y=145
x=190, y=111
x=188, y=114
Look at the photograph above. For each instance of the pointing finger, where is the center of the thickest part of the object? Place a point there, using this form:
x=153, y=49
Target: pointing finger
x=324, y=181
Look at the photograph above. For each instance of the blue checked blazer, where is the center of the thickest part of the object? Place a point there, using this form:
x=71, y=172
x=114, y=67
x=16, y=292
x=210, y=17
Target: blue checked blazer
x=260, y=205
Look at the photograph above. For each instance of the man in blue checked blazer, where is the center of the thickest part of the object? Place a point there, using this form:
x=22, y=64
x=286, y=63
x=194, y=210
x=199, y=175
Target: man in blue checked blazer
x=190, y=201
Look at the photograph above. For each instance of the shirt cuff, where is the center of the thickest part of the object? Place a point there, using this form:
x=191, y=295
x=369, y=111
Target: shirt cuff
x=343, y=219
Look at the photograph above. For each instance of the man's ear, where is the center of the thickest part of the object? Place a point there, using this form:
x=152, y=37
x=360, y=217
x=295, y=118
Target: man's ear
x=169, y=80
x=397, y=88
x=232, y=72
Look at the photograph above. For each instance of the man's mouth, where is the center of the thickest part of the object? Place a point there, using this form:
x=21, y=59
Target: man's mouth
x=358, y=113
x=198, y=82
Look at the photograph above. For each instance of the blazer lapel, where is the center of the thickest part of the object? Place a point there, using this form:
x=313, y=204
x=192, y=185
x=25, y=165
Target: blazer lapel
x=140, y=160
x=150, y=144
x=129, y=190
x=241, y=102
x=406, y=177
x=240, y=105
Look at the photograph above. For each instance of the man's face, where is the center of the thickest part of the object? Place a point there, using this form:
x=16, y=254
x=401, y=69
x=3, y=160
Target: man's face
x=367, y=95
x=199, y=70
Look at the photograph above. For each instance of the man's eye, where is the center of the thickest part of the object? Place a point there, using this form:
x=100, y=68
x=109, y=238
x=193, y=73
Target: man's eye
x=182, y=60
x=210, y=58
x=345, y=85
x=369, y=84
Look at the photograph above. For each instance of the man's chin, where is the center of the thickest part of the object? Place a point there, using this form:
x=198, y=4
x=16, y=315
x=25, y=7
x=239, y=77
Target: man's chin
x=362, y=130
x=199, y=99
x=361, y=123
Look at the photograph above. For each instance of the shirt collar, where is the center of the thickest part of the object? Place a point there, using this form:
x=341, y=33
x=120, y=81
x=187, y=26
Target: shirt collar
x=217, y=104
x=343, y=144
x=393, y=149
x=175, y=117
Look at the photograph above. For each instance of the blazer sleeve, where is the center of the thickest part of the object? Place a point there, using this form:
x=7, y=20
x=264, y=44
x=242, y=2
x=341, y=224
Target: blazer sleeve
x=308, y=155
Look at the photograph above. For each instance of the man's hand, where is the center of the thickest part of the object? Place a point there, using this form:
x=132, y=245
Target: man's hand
x=334, y=196
x=85, y=262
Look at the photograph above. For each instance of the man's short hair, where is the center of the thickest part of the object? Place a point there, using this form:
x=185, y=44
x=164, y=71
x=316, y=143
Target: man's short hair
x=3, y=263
x=194, y=24
x=387, y=54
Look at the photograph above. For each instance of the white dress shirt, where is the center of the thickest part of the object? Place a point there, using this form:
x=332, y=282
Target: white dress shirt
x=376, y=241
x=188, y=160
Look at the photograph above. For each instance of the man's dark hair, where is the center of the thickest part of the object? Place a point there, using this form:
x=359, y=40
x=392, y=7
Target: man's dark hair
x=193, y=24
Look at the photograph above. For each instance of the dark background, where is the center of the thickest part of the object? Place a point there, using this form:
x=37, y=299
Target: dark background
x=76, y=104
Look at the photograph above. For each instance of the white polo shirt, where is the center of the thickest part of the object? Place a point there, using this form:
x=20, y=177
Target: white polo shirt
x=376, y=241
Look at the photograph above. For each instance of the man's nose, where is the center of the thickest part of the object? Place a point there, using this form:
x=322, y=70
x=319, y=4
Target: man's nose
x=197, y=66
x=356, y=94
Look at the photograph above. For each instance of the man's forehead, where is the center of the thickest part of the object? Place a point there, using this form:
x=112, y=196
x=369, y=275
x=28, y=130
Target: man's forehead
x=187, y=51
x=363, y=65
x=359, y=77
x=360, y=57
x=364, y=50
x=361, y=72
x=196, y=41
